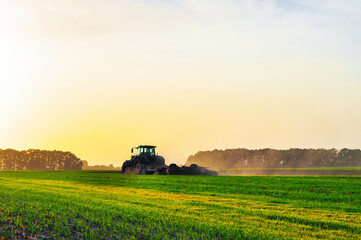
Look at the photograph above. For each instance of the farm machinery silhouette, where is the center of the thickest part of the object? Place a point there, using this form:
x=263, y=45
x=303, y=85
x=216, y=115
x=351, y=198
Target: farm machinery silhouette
x=144, y=160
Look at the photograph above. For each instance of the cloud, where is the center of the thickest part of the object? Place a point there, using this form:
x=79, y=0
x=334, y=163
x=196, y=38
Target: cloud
x=84, y=18
x=346, y=6
x=262, y=18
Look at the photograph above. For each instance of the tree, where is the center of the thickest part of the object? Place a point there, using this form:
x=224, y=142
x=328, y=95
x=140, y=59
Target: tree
x=35, y=159
x=273, y=158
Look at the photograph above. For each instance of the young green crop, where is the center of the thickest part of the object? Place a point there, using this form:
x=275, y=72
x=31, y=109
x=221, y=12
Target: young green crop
x=109, y=205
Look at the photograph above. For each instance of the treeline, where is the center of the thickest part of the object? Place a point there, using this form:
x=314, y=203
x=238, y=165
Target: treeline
x=86, y=166
x=34, y=159
x=272, y=158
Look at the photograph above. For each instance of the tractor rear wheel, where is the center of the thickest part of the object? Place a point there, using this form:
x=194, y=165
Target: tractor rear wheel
x=126, y=167
x=137, y=168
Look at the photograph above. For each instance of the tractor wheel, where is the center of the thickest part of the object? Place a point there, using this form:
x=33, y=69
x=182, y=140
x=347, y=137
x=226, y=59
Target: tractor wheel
x=137, y=168
x=126, y=168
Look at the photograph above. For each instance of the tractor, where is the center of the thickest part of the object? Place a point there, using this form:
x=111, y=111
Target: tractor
x=143, y=160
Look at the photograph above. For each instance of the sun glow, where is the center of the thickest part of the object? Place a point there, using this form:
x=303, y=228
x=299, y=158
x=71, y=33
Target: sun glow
x=99, y=78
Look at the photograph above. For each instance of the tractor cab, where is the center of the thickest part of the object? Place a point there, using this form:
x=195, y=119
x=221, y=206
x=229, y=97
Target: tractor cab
x=143, y=150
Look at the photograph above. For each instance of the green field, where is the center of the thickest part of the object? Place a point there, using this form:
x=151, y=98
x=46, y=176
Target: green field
x=105, y=205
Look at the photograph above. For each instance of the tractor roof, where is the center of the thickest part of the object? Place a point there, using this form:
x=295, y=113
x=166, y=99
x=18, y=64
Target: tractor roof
x=146, y=146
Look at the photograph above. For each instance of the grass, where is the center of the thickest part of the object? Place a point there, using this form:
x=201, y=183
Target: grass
x=108, y=205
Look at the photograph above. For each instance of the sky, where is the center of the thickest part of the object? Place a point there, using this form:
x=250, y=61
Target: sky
x=99, y=77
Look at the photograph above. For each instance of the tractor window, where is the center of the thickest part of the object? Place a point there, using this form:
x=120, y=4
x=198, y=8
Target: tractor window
x=151, y=151
x=146, y=151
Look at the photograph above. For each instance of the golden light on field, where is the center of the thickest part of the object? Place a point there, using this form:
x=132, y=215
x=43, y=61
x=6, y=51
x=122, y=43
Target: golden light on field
x=99, y=77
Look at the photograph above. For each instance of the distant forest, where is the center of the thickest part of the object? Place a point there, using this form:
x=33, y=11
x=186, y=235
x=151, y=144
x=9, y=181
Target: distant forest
x=34, y=159
x=272, y=158
x=86, y=166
